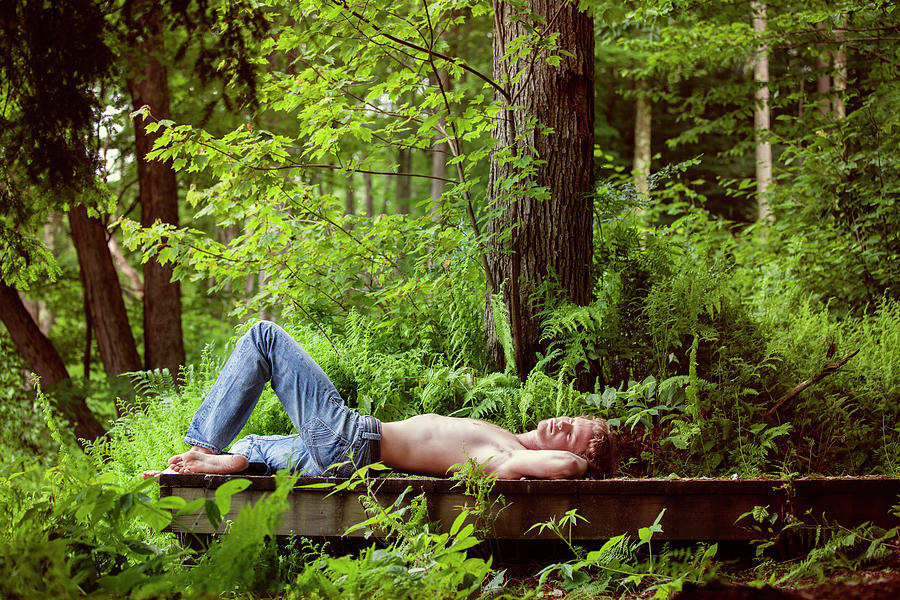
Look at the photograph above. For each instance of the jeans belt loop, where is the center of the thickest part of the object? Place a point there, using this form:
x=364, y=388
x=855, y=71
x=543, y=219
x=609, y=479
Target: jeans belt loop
x=372, y=433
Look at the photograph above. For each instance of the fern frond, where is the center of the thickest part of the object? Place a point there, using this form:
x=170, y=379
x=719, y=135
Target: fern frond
x=504, y=330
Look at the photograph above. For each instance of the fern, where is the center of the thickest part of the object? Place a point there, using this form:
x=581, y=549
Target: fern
x=575, y=332
x=503, y=330
x=229, y=563
x=154, y=382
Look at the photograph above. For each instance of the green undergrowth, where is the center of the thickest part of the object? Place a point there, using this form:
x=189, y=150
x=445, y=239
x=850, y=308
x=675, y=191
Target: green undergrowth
x=705, y=410
x=75, y=530
x=695, y=335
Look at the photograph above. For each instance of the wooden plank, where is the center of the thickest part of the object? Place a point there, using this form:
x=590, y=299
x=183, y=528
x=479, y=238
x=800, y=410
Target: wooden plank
x=696, y=509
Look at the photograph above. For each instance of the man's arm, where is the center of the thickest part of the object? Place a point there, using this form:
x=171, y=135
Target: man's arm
x=537, y=464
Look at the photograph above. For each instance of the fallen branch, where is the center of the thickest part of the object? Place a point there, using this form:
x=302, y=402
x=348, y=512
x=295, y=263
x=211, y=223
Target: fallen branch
x=826, y=370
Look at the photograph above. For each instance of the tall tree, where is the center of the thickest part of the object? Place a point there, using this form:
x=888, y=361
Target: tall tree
x=43, y=359
x=643, y=122
x=840, y=74
x=761, y=121
x=823, y=81
x=441, y=149
x=404, y=191
x=103, y=293
x=544, y=228
x=52, y=58
x=149, y=86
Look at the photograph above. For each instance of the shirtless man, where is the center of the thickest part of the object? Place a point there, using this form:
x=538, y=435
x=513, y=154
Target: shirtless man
x=331, y=434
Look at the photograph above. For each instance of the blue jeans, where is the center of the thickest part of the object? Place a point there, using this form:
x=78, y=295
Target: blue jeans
x=328, y=431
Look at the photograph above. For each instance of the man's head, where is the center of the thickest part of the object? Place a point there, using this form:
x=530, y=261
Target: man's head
x=588, y=437
x=601, y=453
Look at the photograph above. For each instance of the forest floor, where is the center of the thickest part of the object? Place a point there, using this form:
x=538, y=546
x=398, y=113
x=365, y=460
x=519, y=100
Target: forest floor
x=879, y=581
x=877, y=584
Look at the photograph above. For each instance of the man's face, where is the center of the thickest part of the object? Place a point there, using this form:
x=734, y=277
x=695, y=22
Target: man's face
x=565, y=433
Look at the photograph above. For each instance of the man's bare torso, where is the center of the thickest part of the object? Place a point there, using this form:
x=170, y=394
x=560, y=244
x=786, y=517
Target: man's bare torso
x=431, y=444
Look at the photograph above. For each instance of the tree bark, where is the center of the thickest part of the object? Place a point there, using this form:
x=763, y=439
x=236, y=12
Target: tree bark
x=136, y=286
x=840, y=76
x=42, y=358
x=103, y=293
x=404, y=192
x=440, y=150
x=163, y=339
x=761, y=122
x=823, y=81
x=349, y=196
x=552, y=234
x=369, y=199
x=439, y=154
x=642, y=131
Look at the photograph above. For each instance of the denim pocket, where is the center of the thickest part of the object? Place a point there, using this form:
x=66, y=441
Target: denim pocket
x=326, y=447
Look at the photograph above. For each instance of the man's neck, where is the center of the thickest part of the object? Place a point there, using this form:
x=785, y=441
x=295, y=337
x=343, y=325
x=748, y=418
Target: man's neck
x=528, y=439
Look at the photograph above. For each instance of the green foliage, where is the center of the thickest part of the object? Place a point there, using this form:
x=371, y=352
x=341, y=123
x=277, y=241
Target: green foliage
x=486, y=506
x=837, y=219
x=413, y=563
x=618, y=565
x=829, y=548
x=29, y=440
x=73, y=530
x=153, y=423
x=697, y=327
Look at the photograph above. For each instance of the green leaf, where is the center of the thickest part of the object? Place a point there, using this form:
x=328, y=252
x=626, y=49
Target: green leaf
x=225, y=491
x=458, y=522
x=171, y=503
x=212, y=513
x=191, y=507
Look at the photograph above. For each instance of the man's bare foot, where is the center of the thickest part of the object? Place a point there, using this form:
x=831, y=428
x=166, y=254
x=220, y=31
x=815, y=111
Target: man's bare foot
x=150, y=474
x=196, y=461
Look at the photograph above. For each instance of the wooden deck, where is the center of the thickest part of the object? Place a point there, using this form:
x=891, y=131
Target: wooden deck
x=696, y=509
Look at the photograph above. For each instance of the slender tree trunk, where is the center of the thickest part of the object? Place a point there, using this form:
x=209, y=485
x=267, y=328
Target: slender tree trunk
x=43, y=359
x=261, y=278
x=642, y=131
x=136, y=288
x=349, y=196
x=553, y=234
x=404, y=191
x=38, y=311
x=163, y=339
x=840, y=76
x=440, y=150
x=104, y=294
x=438, y=169
x=370, y=201
x=761, y=122
x=823, y=81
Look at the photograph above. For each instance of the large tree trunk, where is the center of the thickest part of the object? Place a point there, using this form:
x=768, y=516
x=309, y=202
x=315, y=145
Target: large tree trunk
x=552, y=234
x=761, y=121
x=43, y=359
x=103, y=293
x=163, y=340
